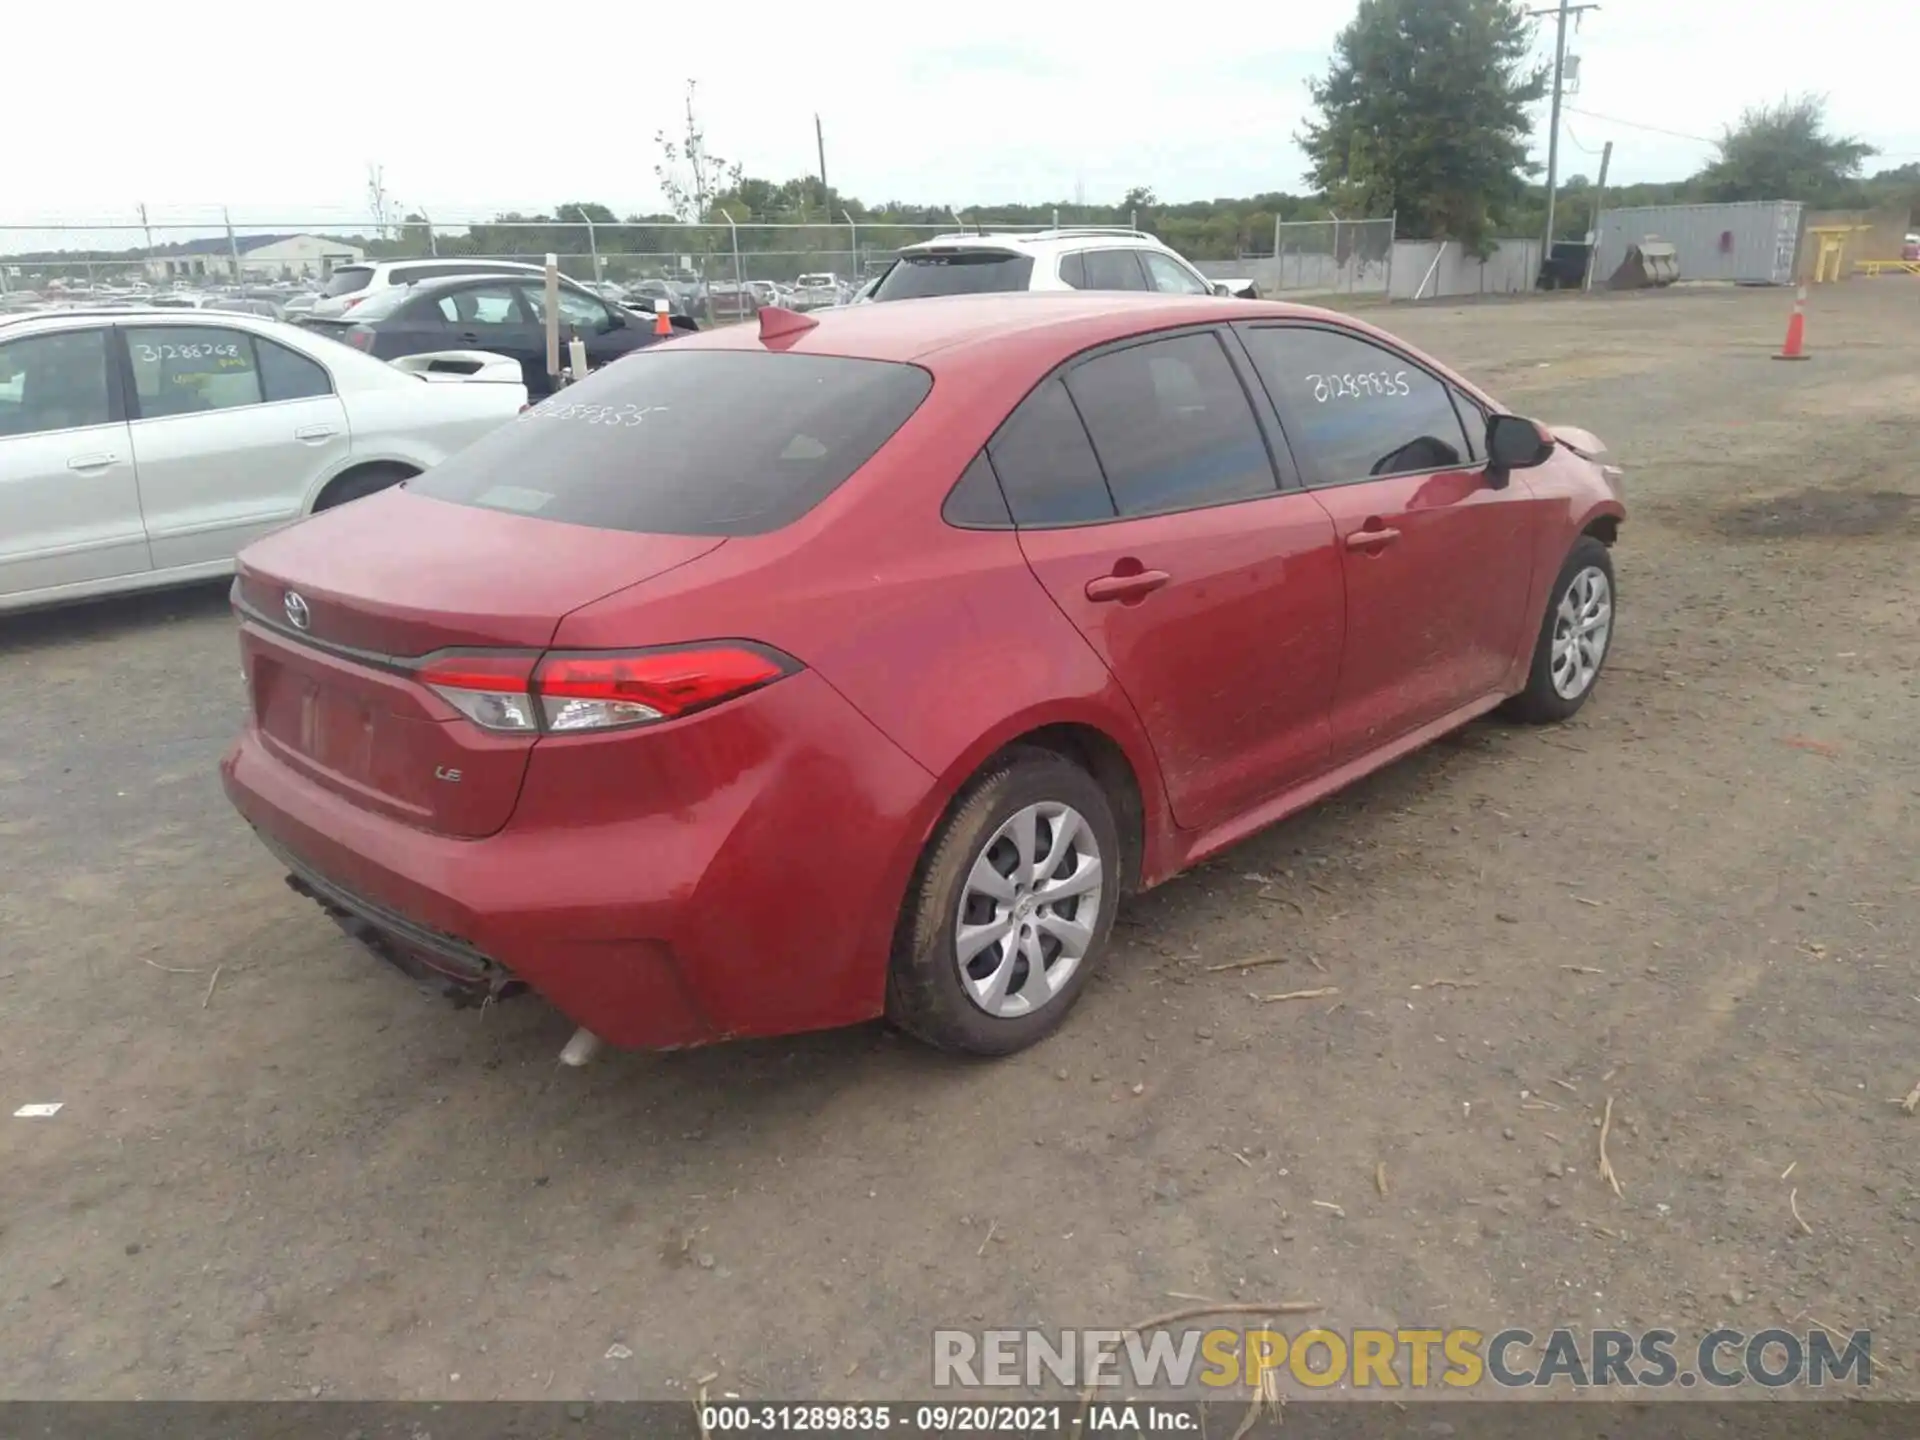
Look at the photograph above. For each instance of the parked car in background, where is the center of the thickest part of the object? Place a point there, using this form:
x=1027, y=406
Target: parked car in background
x=772, y=292
x=141, y=448
x=351, y=285
x=1910, y=249
x=818, y=291
x=1090, y=258
x=505, y=314
x=797, y=673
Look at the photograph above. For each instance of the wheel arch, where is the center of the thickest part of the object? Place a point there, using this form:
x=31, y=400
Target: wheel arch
x=399, y=469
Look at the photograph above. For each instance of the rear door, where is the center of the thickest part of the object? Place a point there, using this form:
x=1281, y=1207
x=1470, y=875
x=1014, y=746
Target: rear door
x=69, y=507
x=492, y=315
x=1437, y=559
x=1147, y=502
x=231, y=433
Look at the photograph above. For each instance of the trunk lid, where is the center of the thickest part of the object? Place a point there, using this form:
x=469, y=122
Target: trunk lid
x=383, y=581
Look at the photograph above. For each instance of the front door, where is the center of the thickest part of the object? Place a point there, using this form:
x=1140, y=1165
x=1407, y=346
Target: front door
x=1436, y=556
x=232, y=433
x=69, y=507
x=1148, y=507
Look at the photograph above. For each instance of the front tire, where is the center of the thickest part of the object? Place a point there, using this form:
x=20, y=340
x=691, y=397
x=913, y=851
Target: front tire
x=1011, y=910
x=1575, y=636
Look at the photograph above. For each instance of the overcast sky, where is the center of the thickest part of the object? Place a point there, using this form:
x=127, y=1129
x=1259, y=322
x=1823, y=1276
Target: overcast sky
x=277, y=113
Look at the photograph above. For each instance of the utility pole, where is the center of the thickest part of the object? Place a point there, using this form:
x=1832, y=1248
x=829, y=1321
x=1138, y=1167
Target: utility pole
x=148, y=257
x=233, y=245
x=1560, y=15
x=820, y=143
x=1599, y=205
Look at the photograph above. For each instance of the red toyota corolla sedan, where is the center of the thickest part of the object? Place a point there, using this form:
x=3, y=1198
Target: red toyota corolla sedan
x=858, y=664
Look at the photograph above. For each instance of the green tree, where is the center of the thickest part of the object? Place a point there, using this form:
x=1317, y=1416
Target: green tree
x=1784, y=152
x=691, y=176
x=1423, y=112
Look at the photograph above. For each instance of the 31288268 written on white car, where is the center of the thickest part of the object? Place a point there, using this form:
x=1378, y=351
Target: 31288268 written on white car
x=142, y=449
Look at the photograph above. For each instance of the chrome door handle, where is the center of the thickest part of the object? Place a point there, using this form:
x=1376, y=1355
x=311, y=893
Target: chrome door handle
x=314, y=432
x=1372, y=539
x=91, y=462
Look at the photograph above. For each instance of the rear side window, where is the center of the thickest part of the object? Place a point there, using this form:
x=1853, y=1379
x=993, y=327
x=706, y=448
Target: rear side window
x=285, y=375
x=1113, y=270
x=958, y=272
x=687, y=442
x=1353, y=410
x=1172, y=426
x=348, y=280
x=185, y=370
x=1073, y=270
x=1046, y=464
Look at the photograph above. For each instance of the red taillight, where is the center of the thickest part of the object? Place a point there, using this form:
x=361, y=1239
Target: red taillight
x=359, y=339
x=597, y=690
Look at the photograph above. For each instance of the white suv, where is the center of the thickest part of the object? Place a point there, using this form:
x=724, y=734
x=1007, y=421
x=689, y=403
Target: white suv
x=1075, y=259
x=350, y=284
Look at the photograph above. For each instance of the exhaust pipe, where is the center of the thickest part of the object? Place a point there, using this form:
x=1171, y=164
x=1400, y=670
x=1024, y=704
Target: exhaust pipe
x=581, y=1048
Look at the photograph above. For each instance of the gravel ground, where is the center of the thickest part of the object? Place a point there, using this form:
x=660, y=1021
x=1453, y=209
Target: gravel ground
x=1698, y=900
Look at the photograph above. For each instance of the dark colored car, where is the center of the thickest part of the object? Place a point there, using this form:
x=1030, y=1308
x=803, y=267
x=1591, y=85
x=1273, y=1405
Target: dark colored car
x=499, y=313
x=798, y=673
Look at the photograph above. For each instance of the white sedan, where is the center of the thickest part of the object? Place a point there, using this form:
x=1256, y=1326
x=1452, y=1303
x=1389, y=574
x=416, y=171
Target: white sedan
x=144, y=448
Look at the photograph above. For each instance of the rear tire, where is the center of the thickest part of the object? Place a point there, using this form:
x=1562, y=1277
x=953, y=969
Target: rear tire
x=357, y=484
x=1011, y=908
x=1575, y=637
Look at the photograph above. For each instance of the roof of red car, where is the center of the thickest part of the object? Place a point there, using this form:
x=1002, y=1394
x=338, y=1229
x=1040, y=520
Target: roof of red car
x=917, y=329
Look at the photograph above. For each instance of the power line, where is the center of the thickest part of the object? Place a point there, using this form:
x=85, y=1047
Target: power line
x=1636, y=125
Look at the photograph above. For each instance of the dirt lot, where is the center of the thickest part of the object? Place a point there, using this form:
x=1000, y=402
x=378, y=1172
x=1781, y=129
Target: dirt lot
x=1699, y=900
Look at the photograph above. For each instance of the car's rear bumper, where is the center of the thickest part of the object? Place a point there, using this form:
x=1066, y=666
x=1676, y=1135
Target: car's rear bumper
x=736, y=873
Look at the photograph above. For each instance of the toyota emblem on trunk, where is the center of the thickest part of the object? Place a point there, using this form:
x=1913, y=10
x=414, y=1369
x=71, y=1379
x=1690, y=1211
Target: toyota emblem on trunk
x=298, y=615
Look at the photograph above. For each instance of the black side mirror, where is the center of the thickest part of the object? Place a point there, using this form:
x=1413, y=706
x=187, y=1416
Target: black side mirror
x=1515, y=443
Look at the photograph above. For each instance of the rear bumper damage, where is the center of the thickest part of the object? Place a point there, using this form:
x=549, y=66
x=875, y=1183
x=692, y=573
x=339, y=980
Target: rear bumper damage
x=735, y=874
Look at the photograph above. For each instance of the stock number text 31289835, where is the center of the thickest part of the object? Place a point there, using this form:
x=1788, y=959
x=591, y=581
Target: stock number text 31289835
x=1362, y=386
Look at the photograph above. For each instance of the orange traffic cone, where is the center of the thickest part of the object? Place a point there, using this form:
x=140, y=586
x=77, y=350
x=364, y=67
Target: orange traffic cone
x=1794, y=349
x=662, y=324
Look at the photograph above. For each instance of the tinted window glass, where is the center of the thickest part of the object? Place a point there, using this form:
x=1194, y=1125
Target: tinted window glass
x=348, y=280
x=962, y=272
x=687, y=442
x=479, y=305
x=583, y=312
x=976, y=503
x=1475, y=421
x=1073, y=271
x=1172, y=426
x=183, y=370
x=1046, y=465
x=285, y=375
x=1113, y=270
x=54, y=382
x=382, y=303
x=1353, y=410
x=1170, y=277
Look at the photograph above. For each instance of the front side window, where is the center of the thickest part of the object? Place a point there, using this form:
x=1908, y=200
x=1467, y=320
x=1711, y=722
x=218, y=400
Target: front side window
x=1172, y=426
x=1170, y=277
x=54, y=382
x=186, y=369
x=582, y=312
x=1353, y=410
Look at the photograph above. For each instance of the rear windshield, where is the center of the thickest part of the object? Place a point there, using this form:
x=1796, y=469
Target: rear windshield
x=687, y=442
x=347, y=279
x=955, y=272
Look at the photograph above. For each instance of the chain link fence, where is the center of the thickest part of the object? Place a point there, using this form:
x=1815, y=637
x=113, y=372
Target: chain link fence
x=1327, y=257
